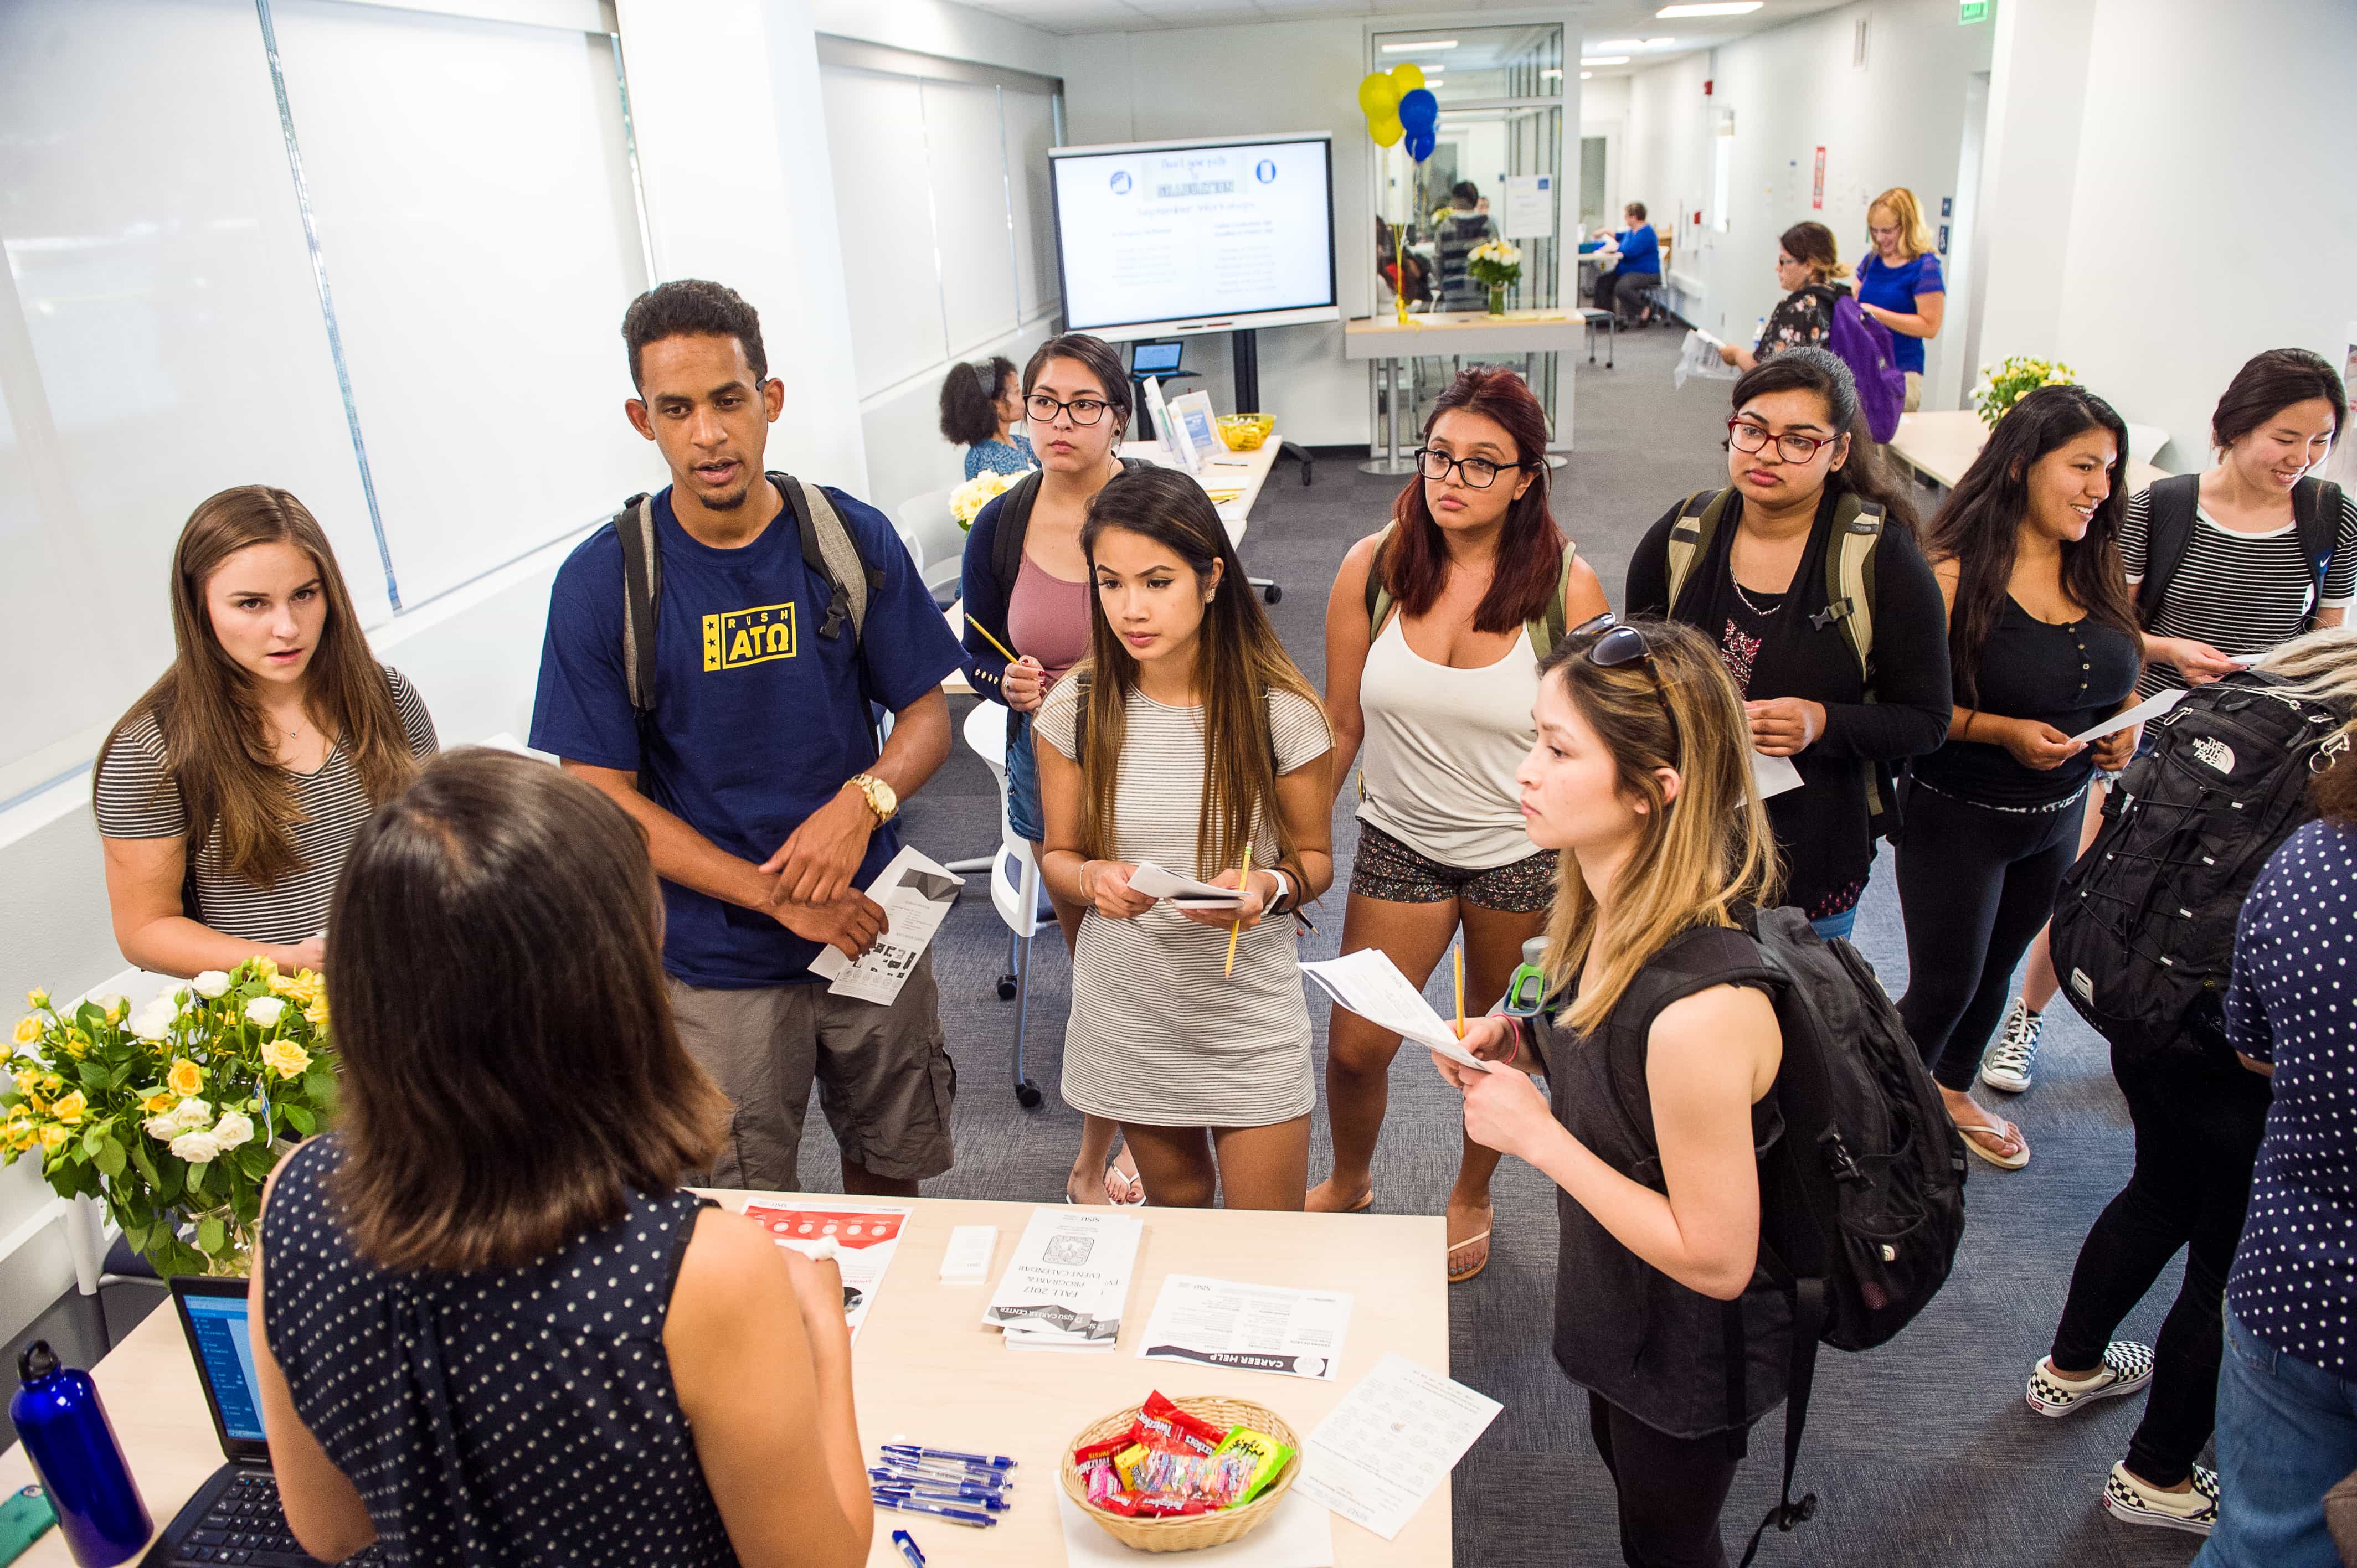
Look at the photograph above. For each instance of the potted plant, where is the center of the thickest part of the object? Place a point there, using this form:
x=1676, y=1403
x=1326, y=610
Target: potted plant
x=1496, y=265
x=174, y=1114
x=2016, y=379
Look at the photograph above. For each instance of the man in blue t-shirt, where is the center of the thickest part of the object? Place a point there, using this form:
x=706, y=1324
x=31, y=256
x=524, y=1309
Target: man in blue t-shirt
x=1638, y=268
x=766, y=803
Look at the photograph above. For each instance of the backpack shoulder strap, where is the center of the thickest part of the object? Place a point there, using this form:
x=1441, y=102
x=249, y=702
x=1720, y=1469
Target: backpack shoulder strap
x=2168, y=529
x=1379, y=597
x=1690, y=537
x=1849, y=578
x=1014, y=525
x=829, y=550
x=1554, y=621
x=634, y=527
x=2316, y=517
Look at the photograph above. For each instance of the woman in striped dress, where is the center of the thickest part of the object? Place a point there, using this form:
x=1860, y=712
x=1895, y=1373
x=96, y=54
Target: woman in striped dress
x=229, y=794
x=1188, y=738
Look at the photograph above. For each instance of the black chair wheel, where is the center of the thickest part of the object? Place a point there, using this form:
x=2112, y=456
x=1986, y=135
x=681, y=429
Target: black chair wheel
x=1271, y=593
x=1006, y=988
x=1026, y=1095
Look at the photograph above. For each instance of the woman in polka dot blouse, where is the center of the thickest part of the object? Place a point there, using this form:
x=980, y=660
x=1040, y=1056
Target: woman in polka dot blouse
x=2287, y=1390
x=492, y=1329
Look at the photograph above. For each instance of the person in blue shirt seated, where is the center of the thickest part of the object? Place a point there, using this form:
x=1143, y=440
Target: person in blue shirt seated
x=980, y=408
x=1900, y=285
x=1639, y=266
x=756, y=775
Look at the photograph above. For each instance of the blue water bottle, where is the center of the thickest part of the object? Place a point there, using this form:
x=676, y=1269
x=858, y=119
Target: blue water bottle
x=72, y=1447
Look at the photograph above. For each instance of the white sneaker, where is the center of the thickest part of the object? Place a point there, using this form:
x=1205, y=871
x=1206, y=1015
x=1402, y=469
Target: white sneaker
x=2014, y=1052
x=2129, y=1500
x=2127, y=1367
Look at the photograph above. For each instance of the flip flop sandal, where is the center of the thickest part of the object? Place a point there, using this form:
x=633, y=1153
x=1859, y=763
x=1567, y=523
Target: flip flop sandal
x=1363, y=1204
x=1135, y=1188
x=2002, y=1129
x=1458, y=1278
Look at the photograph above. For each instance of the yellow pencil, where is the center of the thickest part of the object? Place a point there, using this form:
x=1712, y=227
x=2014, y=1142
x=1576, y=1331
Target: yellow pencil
x=1011, y=658
x=1238, y=929
x=1459, y=952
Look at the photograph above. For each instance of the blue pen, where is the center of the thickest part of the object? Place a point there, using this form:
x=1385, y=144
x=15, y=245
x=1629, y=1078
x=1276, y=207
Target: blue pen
x=892, y=1470
x=907, y=1546
x=954, y=1496
x=939, y=1510
x=992, y=1461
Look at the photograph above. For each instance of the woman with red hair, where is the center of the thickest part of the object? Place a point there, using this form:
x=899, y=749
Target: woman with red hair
x=1433, y=637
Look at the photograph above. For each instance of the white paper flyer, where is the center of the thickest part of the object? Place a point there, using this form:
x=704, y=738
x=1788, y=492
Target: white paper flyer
x=1395, y=1437
x=916, y=893
x=864, y=1241
x=1068, y=1283
x=1367, y=983
x=1250, y=1327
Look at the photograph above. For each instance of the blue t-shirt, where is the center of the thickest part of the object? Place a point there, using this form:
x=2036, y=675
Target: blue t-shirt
x=1896, y=288
x=1639, y=251
x=1011, y=456
x=758, y=719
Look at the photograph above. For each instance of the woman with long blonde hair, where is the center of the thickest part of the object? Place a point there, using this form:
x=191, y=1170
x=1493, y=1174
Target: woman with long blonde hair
x=1656, y=1099
x=1187, y=739
x=1900, y=283
x=229, y=794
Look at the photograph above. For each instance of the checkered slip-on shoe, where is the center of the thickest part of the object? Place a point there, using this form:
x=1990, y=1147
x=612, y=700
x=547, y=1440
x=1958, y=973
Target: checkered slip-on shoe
x=2129, y=1500
x=2127, y=1367
x=2011, y=1058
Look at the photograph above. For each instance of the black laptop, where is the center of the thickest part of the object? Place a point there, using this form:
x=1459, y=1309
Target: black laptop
x=234, y=1517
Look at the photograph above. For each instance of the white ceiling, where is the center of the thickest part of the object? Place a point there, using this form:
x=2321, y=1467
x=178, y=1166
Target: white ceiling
x=1599, y=20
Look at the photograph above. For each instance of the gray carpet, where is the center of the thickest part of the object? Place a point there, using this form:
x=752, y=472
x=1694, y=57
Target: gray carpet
x=1921, y=1451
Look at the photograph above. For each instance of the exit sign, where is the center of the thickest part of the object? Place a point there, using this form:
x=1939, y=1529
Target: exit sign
x=1969, y=11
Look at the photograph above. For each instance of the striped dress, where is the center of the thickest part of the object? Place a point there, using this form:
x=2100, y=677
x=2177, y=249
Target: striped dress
x=1157, y=1035
x=137, y=799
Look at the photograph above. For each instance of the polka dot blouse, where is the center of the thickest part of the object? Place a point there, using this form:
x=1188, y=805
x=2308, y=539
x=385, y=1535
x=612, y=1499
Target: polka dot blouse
x=507, y=1416
x=2294, y=1003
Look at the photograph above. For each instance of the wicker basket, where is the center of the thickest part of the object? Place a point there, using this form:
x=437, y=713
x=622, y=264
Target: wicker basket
x=1187, y=1532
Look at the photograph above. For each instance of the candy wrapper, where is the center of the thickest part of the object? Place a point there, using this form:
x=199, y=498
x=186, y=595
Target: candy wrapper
x=1162, y=1424
x=1251, y=1460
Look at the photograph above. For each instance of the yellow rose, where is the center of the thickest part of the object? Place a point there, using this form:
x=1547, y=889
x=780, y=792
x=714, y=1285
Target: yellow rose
x=53, y=1138
x=38, y=997
x=29, y=1079
x=185, y=1078
x=285, y=1057
x=71, y=1108
x=29, y=1029
x=317, y=1014
x=265, y=969
x=20, y=1134
x=156, y=1105
x=77, y=1046
x=51, y=1083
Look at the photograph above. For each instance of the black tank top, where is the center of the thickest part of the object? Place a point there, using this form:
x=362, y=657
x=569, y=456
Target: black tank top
x=507, y=1416
x=1623, y=1329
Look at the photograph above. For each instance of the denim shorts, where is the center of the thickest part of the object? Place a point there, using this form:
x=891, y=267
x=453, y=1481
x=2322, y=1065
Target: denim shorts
x=1024, y=816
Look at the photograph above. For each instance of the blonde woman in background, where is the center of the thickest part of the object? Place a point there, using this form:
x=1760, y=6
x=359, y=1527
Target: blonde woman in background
x=1900, y=285
x=1808, y=267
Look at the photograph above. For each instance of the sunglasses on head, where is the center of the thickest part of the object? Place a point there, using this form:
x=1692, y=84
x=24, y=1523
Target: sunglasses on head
x=1617, y=645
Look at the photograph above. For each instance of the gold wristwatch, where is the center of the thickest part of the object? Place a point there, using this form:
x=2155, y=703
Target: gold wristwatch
x=878, y=795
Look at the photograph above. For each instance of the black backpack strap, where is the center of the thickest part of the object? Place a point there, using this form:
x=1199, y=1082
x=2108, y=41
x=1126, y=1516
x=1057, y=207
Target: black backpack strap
x=832, y=553
x=2316, y=506
x=634, y=527
x=2168, y=530
x=1013, y=523
x=1808, y=1323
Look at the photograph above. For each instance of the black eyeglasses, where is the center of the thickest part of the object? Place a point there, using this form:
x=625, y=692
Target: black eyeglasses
x=1479, y=473
x=1790, y=447
x=1083, y=410
x=1618, y=646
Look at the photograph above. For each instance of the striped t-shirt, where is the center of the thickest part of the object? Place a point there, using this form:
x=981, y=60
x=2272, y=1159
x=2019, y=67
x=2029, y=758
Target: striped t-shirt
x=2240, y=593
x=138, y=798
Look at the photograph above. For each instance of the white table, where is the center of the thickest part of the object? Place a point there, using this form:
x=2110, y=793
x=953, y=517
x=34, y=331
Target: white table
x=1385, y=342
x=1940, y=443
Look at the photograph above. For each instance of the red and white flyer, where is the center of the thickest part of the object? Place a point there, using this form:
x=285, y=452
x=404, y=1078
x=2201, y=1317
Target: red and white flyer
x=861, y=1241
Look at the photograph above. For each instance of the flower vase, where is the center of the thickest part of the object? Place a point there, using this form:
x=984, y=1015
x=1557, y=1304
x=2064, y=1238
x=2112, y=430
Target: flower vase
x=1498, y=300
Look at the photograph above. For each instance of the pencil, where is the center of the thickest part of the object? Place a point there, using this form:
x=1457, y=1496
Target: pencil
x=1238, y=929
x=1458, y=954
x=1011, y=658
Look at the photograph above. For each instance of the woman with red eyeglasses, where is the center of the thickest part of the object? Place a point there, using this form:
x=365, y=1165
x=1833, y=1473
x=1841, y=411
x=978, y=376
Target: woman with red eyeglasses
x=1805, y=575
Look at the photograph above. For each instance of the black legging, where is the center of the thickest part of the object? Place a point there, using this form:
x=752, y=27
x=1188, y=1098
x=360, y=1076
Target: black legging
x=2198, y=1121
x=1671, y=1489
x=1975, y=885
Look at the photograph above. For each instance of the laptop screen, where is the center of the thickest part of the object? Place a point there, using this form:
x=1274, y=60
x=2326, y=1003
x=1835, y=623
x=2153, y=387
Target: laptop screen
x=218, y=1331
x=1153, y=357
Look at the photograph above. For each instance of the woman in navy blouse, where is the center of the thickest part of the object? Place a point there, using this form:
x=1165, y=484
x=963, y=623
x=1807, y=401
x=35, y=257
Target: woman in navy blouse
x=2287, y=1389
x=1900, y=285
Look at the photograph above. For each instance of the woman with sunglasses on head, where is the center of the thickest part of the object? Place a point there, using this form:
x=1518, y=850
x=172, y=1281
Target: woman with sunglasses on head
x=1025, y=583
x=1833, y=636
x=1642, y=781
x=1187, y=739
x=1434, y=631
x=2042, y=637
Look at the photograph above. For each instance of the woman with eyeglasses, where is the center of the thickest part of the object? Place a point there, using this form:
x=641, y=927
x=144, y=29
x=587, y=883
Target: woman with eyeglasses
x=1900, y=283
x=1434, y=631
x=1025, y=583
x=1659, y=1045
x=2042, y=636
x=1809, y=269
x=1805, y=573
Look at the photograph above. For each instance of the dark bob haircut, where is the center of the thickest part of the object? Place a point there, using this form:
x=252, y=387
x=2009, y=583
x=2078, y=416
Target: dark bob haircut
x=692, y=308
x=510, y=1069
x=1414, y=560
x=970, y=398
x=1103, y=360
x=2270, y=383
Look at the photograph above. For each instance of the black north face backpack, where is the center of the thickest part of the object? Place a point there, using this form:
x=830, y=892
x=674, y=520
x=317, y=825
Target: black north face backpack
x=2144, y=925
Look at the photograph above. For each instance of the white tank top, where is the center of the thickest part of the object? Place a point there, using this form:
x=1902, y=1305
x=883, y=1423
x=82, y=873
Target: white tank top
x=1442, y=744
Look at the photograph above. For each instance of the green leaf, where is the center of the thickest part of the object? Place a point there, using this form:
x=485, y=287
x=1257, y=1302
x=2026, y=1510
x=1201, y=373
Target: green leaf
x=109, y=1158
x=199, y=1175
x=255, y=1160
x=93, y=1075
x=91, y=1017
x=172, y=1178
x=145, y=1164
x=300, y=1118
x=212, y=1236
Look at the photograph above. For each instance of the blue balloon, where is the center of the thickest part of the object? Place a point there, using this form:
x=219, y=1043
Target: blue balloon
x=1419, y=111
x=1420, y=144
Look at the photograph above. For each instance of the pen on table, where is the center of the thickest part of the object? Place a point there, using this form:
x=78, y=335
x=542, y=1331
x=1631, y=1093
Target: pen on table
x=907, y=1546
x=1457, y=967
x=1238, y=929
x=939, y=1510
x=954, y=1496
x=896, y=1479
x=895, y=1470
x=916, y=1451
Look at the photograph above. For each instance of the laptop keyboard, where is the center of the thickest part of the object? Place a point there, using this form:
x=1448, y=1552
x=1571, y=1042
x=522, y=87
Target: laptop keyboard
x=244, y=1525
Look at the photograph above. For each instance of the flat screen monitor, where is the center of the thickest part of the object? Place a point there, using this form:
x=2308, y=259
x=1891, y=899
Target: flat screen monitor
x=1162, y=237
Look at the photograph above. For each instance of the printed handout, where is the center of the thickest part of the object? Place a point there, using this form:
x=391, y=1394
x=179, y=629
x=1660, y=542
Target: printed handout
x=1156, y=883
x=916, y=893
x=1367, y=983
x=865, y=1240
x=1251, y=1327
x=1395, y=1437
x=1066, y=1285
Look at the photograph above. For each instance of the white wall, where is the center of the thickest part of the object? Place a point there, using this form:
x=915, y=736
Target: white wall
x=2201, y=144
x=1898, y=120
x=939, y=28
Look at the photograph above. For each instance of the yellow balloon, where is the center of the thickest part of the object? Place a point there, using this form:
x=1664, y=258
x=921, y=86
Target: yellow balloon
x=1406, y=77
x=1378, y=95
x=1386, y=131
